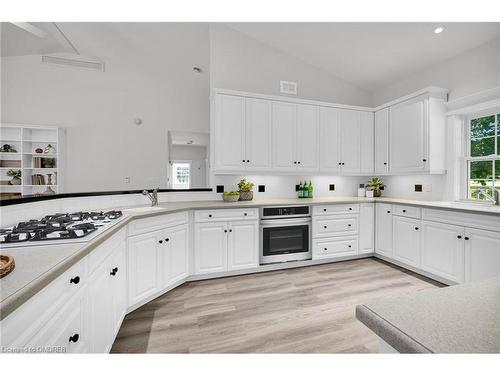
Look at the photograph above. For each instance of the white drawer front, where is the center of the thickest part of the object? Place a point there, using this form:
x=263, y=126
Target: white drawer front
x=153, y=223
x=466, y=219
x=19, y=327
x=332, y=209
x=407, y=211
x=335, y=226
x=226, y=214
x=339, y=247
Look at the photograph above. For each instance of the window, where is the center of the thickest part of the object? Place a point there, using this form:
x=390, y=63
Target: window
x=483, y=162
x=180, y=175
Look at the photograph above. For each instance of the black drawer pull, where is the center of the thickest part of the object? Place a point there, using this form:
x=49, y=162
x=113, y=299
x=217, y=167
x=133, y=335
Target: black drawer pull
x=424, y=160
x=74, y=338
x=348, y=225
x=325, y=249
x=416, y=228
x=294, y=162
x=350, y=208
x=385, y=163
x=388, y=212
x=324, y=209
x=225, y=230
x=167, y=239
x=74, y=280
x=459, y=237
x=349, y=246
x=404, y=211
x=245, y=214
x=209, y=215
x=160, y=241
x=298, y=162
x=248, y=161
x=114, y=271
x=243, y=160
x=230, y=230
x=466, y=238
x=324, y=226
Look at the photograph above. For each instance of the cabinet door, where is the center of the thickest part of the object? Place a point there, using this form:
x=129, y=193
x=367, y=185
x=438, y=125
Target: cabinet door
x=284, y=136
x=144, y=265
x=366, y=142
x=329, y=140
x=350, y=134
x=258, y=134
x=383, y=229
x=443, y=250
x=101, y=309
x=118, y=272
x=408, y=136
x=482, y=254
x=406, y=240
x=307, y=138
x=175, y=255
x=243, y=245
x=210, y=247
x=382, y=141
x=229, y=148
x=366, y=227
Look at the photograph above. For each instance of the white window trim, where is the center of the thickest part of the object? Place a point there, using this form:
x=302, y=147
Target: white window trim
x=467, y=149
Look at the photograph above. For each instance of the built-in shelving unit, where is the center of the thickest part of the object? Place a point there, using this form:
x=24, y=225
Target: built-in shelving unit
x=26, y=139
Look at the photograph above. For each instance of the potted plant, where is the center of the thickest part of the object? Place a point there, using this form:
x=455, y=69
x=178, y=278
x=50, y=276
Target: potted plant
x=231, y=196
x=375, y=184
x=16, y=176
x=245, y=187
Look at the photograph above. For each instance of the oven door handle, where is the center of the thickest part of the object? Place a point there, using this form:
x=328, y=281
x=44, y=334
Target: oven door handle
x=284, y=222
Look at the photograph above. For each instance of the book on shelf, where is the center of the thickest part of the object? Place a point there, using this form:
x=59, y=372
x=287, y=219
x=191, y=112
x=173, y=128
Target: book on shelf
x=37, y=179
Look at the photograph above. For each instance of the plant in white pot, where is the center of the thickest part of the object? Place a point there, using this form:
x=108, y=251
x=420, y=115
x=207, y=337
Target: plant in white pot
x=375, y=184
x=245, y=187
x=16, y=176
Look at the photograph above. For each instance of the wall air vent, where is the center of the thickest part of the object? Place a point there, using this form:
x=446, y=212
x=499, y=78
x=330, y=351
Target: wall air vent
x=75, y=61
x=287, y=87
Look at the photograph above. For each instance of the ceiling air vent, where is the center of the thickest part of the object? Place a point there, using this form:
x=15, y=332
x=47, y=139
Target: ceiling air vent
x=76, y=61
x=287, y=87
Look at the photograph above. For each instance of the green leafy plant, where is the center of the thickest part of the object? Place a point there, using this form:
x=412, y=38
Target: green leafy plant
x=245, y=185
x=231, y=193
x=14, y=173
x=375, y=183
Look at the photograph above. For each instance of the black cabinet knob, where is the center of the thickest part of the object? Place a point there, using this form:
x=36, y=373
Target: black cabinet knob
x=74, y=280
x=348, y=225
x=324, y=209
x=459, y=237
x=230, y=230
x=466, y=238
x=243, y=160
x=350, y=208
x=248, y=161
x=416, y=228
x=424, y=160
x=74, y=338
x=404, y=211
x=209, y=215
x=294, y=162
x=325, y=249
x=340, y=163
x=160, y=241
x=245, y=214
x=324, y=226
x=343, y=163
x=298, y=162
x=225, y=230
x=167, y=239
x=385, y=163
x=349, y=246
x=388, y=212
x=114, y=271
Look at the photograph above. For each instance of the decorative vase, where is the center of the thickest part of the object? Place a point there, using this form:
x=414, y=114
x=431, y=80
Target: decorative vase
x=15, y=181
x=246, y=195
x=377, y=193
x=230, y=198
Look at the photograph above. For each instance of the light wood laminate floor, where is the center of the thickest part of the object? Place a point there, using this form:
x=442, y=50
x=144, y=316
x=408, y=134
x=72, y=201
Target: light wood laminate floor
x=300, y=310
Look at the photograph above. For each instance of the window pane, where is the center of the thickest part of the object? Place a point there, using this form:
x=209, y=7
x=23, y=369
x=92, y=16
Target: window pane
x=482, y=127
x=477, y=187
x=497, y=170
x=482, y=147
x=481, y=170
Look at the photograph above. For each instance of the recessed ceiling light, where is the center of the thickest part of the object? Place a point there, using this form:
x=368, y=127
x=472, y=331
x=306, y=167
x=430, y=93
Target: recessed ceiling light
x=438, y=30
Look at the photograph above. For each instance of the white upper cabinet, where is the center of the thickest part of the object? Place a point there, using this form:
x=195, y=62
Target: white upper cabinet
x=407, y=136
x=307, y=138
x=229, y=132
x=356, y=142
x=329, y=140
x=284, y=136
x=382, y=141
x=257, y=134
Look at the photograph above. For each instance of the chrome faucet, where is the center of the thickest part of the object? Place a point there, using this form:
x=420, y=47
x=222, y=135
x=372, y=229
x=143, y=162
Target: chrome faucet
x=493, y=198
x=153, y=196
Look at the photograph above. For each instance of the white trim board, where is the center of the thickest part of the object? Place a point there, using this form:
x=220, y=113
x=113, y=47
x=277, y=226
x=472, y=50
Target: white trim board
x=432, y=91
x=476, y=102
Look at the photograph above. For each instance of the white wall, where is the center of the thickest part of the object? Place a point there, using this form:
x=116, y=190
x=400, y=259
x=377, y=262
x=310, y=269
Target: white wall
x=239, y=62
x=473, y=71
x=148, y=75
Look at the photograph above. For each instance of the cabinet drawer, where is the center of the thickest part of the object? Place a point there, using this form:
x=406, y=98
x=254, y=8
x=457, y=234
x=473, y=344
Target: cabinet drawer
x=407, y=211
x=335, y=209
x=338, y=247
x=153, y=223
x=20, y=326
x=226, y=214
x=98, y=255
x=68, y=323
x=335, y=226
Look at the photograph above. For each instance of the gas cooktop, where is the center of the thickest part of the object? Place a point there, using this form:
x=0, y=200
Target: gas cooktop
x=59, y=228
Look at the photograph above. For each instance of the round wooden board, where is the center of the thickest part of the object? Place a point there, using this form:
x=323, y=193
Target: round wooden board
x=7, y=264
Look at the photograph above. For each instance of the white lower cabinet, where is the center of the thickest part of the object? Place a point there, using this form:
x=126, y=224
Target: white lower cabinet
x=482, y=254
x=223, y=246
x=383, y=229
x=406, y=240
x=366, y=227
x=175, y=255
x=443, y=250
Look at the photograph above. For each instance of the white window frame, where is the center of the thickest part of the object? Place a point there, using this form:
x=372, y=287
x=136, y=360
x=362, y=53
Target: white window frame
x=174, y=186
x=468, y=158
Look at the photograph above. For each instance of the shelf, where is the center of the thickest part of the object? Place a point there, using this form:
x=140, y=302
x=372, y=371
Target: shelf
x=10, y=140
x=38, y=169
x=38, y=185
x=11, y=186
x=39, y=141
x=52, y=156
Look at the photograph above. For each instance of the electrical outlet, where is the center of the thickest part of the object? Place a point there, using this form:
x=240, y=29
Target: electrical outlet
x=220, y=188
x=331, y=187
x=262, y=188
x=418, y=187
